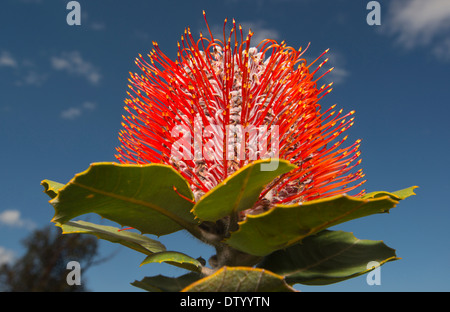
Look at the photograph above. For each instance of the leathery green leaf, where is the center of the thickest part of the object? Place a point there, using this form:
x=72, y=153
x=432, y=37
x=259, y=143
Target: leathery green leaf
x=328, y=257
x=240, y=279
x=174, y=258
x=241, y=190
x=285, y=225
x=131, y=240
x=145, y=197
x=51, y=188
x=162, y=283
x=401, y=194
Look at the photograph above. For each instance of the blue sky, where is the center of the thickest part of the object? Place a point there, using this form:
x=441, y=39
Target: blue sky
x=61, y=99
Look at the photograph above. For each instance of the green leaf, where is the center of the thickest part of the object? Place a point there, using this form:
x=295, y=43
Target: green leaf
x=166, y=284
x=131, y=240
x=240, y=279
x=174, y=258
x=51, y=188
x=285, y=225
x=398, y=195
x=239, y=191
x=327, y=257
x=145, y=197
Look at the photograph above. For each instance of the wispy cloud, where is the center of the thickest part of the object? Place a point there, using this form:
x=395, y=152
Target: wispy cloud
x=420, y=23
x=337, y=61
x=86, y=20
x=25, y=71
x=73, y=63
x=7, y=60
x=28, y=73
x=12, y=218
x=140, y=35
x=89, y=105
x=339, y=73
x=6, y=256
x=98, y=26
x=442, y=50
x=73, y=113
x=32, y=78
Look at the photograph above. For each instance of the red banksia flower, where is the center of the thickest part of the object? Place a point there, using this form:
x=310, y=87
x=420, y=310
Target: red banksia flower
x=224, y=103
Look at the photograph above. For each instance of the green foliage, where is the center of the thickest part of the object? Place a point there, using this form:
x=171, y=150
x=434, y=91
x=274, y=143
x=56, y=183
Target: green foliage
x=285, y=225
x=131, y=240
x=162, y=283
x=236, y=279
x=269, y=251
x=142, y=197
x=175, y=258
x=327, y=257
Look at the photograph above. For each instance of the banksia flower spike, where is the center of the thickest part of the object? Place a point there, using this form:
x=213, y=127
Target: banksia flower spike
x=223, y=103
x=229, y=142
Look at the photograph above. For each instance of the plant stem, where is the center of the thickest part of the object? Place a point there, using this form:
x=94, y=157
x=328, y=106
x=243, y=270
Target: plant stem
x=214, y=234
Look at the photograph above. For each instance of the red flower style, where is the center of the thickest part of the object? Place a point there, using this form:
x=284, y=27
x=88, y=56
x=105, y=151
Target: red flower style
x=223, y=103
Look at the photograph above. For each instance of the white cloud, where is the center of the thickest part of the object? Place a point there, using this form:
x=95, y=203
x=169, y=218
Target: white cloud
x=6, y=60
x=71, y=113
x=94, y=25
x=420, y=23
x=89, y=105
x=32, y=78
x=13, y=218
x=140, y=35
x=25, y=70
x=442, y=50
x=98, y=26
x=75, y=112
x=73, y=63
x=339, y=73
x=6, y=256
x=336, y=61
